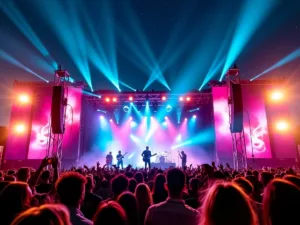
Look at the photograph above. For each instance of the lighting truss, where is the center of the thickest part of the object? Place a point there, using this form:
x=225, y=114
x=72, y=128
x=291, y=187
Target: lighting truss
x=153, y=98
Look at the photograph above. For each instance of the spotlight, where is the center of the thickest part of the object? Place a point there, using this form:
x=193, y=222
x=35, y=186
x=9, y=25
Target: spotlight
x=164, y=98
x=130, y=118
x=130, y=98
x=181, y=99
x=166, y=117
x=165, y=124
x=169, y=108
x=282, y=126
x=185, y=119
x=107, y=99
x=133, y=124
x=126, y=108
x=114, y=99
x=24, y=99
x=20, y=128
x=276, y=96
x=188, y=99
x=194, y=116
x=110, y=120
x=101, y=117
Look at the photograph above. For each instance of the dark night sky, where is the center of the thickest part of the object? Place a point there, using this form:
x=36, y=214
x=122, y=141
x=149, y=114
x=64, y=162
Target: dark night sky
x=134, y=34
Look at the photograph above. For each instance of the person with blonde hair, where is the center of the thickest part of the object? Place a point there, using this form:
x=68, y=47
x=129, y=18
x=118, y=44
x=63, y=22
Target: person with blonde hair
x=110, y=213
x=227, y=204
x=14, y=199
x=281, y=203
x=46, y=215
x=144, y=199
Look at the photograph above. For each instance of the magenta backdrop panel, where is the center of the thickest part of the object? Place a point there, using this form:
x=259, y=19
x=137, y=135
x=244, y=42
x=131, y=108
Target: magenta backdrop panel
x=71, y=136
x=223, y=143
x=283, y=143
x=17, y=143
x=255, y=115
x=40, y=123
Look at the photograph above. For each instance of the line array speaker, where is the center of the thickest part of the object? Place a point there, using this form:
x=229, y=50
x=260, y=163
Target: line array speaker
x=57, y=110
x=236, y=117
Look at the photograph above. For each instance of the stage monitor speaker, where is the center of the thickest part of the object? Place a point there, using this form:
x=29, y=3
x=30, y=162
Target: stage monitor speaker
x=236, y=118
x=57, y=110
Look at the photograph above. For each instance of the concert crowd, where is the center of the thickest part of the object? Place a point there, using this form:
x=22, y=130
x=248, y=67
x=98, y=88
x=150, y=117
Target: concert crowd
x=102, y=195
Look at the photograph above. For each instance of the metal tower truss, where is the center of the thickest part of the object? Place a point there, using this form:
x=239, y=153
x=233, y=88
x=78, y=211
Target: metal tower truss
x=55, y=141
x=238, y=139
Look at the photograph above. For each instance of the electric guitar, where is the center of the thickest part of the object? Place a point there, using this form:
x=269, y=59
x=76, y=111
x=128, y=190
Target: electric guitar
x=148, y=158
x=121, y=157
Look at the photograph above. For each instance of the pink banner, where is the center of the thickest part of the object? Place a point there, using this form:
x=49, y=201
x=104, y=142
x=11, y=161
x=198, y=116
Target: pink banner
x=255, y=122
x=223, y=143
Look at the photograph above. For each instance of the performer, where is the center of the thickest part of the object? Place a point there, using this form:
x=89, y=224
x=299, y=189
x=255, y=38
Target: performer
x=120, y=160
x=183, y=159
x=146, y=157
x=109, y=160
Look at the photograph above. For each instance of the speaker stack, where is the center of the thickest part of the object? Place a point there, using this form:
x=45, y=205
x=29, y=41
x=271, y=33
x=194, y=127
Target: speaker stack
x=236, y=116
x=57, y=110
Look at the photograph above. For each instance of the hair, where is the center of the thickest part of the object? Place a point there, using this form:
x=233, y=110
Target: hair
x=281, y=202
x=89, y=183
x=10, y=178
x=46, y=215
x=70, y=188
x=293, y=179
x=159, y=183
x=132, y=185
x=175, y=181
x=119, y=184
x=129, y=203
x=14, y=199
x=226, y=204
x=139, y=177
x=23, y=174
x=266, y=177
x=143, y=196
x=144, y=200
x=110, y=213
x=246, y=185
x=45, y=176
x=194, y=184
x=40, y=199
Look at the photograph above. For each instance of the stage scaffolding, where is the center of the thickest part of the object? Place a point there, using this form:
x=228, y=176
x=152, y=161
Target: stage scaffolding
x=238, y=138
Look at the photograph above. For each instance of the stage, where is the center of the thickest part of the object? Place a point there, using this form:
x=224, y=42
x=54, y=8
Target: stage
x=195, y=122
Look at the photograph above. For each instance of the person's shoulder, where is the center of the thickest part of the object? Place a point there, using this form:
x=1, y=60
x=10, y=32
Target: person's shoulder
x=157, y=206
x=192, y=210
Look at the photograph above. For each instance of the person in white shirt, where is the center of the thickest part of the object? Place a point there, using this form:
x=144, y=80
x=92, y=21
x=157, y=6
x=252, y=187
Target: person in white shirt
x=173, y=211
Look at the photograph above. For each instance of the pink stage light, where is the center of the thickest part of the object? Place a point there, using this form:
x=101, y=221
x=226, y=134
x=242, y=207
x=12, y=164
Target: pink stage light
x=24, y=99
x=185, y=119
x=166, y=117
x=194, y=116
x=277, y=96
x=164, y=98
x=130, y=118
x=114, y=99
x=20, y=128
x=110, y=120
x=282, y=126
x=181, y=99
x=188, y=99
x=101, y=117
x=107, y=99
x=131, y=98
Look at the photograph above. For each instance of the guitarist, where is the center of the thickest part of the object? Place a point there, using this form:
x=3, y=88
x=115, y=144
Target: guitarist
x=120, y=159
x=146, y=157
x=109, y=160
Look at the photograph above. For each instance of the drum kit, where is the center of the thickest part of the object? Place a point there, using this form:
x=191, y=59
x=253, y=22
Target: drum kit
x=164, y=157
